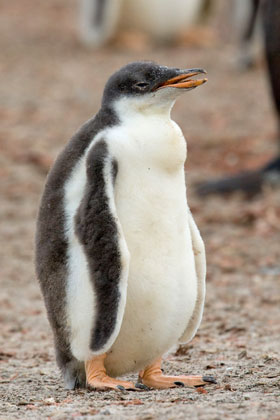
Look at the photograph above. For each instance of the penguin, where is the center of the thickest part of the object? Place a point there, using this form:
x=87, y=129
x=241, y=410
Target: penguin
x=119, y=258
x=161, y=20
x=252, y=182
x=246, y=22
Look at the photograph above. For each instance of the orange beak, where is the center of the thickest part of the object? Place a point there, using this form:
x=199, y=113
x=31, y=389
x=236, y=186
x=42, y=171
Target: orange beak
x=183, y=81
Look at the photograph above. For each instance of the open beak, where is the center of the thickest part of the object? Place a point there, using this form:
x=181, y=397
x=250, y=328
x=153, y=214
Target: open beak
x=184, y=80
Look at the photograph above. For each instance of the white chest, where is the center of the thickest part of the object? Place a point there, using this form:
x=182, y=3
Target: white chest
x=155, y=142
x=150, y=186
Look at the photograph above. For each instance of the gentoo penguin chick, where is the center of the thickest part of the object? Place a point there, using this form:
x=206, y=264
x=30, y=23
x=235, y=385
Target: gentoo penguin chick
x=119, y=257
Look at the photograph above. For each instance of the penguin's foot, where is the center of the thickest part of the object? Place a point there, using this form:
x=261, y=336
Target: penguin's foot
x=98, y=379
x=250, y=182
x=153, y=377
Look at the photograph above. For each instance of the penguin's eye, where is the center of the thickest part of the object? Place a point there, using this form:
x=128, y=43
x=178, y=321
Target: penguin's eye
x=141, y=85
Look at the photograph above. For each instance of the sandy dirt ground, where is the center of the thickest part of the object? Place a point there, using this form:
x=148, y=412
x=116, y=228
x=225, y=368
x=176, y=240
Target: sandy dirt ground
x=50, y=84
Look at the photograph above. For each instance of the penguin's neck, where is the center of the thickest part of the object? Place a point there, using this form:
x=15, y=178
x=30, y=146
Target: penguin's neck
x=128, y=108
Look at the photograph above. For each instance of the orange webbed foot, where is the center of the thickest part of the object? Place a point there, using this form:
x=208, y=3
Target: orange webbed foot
x=98, y=379
x=153, y=377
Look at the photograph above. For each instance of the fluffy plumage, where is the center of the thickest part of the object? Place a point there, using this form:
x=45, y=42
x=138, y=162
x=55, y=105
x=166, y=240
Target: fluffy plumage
x=120, y=260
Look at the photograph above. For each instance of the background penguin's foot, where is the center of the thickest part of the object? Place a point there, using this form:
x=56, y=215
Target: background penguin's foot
x=250, y=182
x=98, y=379
x=153, y=377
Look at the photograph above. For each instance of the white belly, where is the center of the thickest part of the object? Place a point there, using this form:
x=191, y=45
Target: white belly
x=162, y=289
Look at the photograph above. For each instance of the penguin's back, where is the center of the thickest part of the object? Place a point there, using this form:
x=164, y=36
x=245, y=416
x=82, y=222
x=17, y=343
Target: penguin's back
x=52, y=245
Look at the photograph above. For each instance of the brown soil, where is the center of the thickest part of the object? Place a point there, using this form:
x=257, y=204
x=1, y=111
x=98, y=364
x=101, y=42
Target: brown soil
x=50, y=85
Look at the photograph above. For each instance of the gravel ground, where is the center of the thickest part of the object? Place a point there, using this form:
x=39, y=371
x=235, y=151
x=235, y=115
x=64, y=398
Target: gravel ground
x=50, y=85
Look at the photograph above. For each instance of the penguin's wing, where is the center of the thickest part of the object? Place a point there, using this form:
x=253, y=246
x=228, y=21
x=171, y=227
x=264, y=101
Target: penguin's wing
x=200, y=267
x=100, y=233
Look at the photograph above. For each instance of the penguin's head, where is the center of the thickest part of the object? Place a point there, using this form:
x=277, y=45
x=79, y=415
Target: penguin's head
x=142, y=86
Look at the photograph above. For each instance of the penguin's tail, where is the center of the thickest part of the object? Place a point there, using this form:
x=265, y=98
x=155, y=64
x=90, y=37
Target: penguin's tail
x=74, y=375
x=73, y=370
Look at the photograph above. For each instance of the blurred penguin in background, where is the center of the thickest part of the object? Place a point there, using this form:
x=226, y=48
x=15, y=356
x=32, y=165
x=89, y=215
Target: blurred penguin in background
x=248, y=29
x=251, y=182
x=161, y=20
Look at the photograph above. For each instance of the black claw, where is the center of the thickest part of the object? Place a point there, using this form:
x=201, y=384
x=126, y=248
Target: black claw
x=142, y=386
x=178, y=383
x=210, y=379
x=120, y=387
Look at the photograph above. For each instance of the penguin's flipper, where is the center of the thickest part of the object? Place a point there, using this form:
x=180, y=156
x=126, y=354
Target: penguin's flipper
x=100, y=233
x=200, y=267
